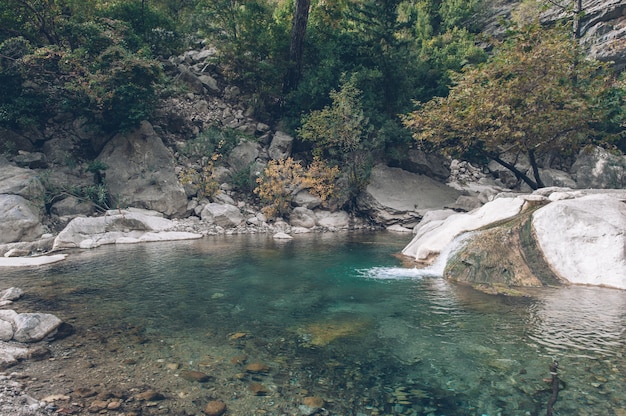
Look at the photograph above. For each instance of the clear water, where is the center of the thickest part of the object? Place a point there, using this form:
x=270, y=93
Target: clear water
x=337, y=316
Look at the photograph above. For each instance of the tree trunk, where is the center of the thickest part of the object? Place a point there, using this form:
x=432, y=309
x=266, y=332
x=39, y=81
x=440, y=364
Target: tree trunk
x=578, y=8
x=296, y=47
x=518, y=174
x=535, y=168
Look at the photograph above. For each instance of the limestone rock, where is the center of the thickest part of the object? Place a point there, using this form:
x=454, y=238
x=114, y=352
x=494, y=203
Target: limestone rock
x=394, y=196
x=332, y=220
x=422, y=163
x=598, y=168
x=127, y=226
x=433, y=236
x=302, y=217
x=141, y=172
x=12, y=293
x=72, y=206
x=244, y=154
x=6, y=331
x=224, y=215
x=305, y=199
x=19, y=181
x=282, y=236
x=281, y=146
x=583, y=238
x=33, y=327
x=11, y=354
x=21, y=220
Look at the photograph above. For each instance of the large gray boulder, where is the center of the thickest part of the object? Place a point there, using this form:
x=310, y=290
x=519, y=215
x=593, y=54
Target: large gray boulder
x=302, y=217
x=19, y=181
x=395, y=196
x=281, y=146
x=28, y=327
x=223, y=215
x=598, y=168
x=141, y=172
x=584, y=240
x=20, y=219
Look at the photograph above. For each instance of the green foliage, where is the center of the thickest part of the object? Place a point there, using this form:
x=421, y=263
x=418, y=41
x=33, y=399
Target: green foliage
x=21, y=103
x=213, y=142
x=341, y=132
x=154, y=27
x=537, y=94
x=252, y=44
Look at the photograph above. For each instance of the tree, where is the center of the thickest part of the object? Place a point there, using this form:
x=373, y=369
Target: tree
x=537, y=94
x=296, y=46
x=341, y=132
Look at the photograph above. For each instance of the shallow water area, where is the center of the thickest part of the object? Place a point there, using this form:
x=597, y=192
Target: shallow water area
x=330, y=315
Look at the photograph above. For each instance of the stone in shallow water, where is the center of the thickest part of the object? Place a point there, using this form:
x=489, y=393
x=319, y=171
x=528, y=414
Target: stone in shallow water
x=198, y=376
x=215, y=408
x=257, y=368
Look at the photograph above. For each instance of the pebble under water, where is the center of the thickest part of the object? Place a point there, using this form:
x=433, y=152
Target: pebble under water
x=333, y=316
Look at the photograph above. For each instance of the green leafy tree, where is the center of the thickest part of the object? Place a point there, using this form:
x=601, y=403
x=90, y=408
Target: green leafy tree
x=537, y=94
x=342, y=132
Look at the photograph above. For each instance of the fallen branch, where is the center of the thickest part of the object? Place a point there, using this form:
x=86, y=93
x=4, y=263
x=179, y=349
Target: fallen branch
x=555, y=387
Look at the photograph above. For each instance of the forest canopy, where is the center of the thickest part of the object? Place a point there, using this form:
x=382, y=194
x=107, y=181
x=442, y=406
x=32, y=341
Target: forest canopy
x=294, y=59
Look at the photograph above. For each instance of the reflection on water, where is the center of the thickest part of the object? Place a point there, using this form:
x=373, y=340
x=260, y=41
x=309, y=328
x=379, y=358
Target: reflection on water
x=341, y=319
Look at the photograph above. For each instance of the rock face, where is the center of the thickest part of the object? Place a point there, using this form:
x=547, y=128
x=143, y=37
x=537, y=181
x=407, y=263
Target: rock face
x=602, y=25
x=21, y=198
x=395, y=196
x=141, y=172
x=602, y=28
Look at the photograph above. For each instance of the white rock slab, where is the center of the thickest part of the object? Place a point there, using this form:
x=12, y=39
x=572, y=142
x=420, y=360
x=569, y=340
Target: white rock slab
x=30, y=261
x=432, y=237
x=584, y=239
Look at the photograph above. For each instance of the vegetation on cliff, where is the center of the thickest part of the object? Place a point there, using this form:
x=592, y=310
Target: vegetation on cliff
x=338, y=75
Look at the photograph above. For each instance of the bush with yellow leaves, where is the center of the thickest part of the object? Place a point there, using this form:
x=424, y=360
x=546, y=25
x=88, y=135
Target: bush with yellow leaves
x=282, y=179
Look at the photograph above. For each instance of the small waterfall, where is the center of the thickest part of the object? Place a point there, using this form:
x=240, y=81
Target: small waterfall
x=434, y=270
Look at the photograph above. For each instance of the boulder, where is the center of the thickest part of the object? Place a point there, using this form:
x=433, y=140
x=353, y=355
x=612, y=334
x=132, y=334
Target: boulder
x=33, y=327
x=19, y=181
x=223, y=215
x=598, y=168
x=429, y=164
x=302, y=217
x=29, y=327
x=21, y=220
x=141, y=172
x=432, y=237
x=125, y=226
x=11, y=354
x=332, y=220
x=395, y=196
x=72, y=206
x=281, y=146
x=305, y=199
x=583, y=239
x=244, y=154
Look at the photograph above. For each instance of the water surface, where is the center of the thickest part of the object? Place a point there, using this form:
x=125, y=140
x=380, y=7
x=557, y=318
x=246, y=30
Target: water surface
x=337, y=316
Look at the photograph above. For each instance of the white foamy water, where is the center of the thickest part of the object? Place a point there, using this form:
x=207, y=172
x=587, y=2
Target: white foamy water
x=434, y=270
